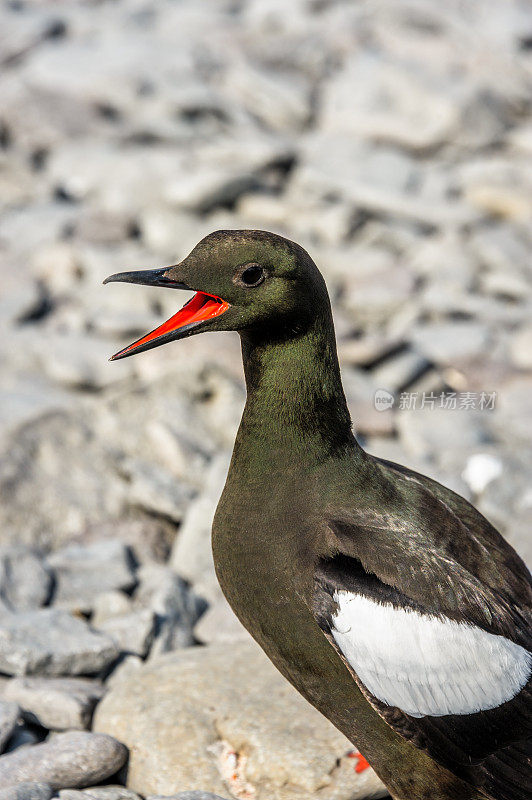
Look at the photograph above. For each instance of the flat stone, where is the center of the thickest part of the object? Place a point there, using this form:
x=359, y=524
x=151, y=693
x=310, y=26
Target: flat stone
x=48, y=492
x=280, y=103
x=480, y=470
x=9, y=716
x=58, y=265
x=26, y=397
x=377, y=289
x=192, y=713
x=399, y=371
x=202, y=191
x=52, y=642
x=109, y=793
x=380, y=100
x=108, y=605
x=365, y=350
x=521, y=348
x=83, y=571
x=506, y=285
x=25, y=580
x=176, y=606
x=118, y=324
x=87, y=794
x=500, y=248
x=219, y=624
x=99, y=793
x=148, y=538
x=447, y=342
x=192, y=553
x=28, y=790
x=132, y=632
x=154, y=490
x=68, y=760
x=518, y=533
x=374, y=182
x=431, y=432
x=506, y=499
x=56, y=703
x=24, y=736
x=125, y=668
x=227, y=171
x=514, y=409
x=360, y=390
x=80, y=362
x=186, y=796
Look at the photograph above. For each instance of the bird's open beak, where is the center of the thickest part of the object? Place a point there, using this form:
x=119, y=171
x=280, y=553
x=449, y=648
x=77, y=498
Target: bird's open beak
x=201, y=308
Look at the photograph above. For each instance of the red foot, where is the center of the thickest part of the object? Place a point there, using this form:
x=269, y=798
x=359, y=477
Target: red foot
x=361, y=764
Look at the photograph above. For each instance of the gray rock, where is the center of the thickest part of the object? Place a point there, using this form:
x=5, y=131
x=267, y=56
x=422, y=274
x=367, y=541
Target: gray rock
x=280, y=103
x=202, y=191
x=24, y=736
x=28, y=791
x=72, y=794
x=25, y=581
x=132, y=632
x=365, y=350
x=25, y=398
x=506, y=500
x=219, y=624
x=99, y=793
x=125, y=668
x=383, y=101
x=155, y=490
x=56, y=703
x=518, y=533
x=148, y=538
x=227, y=171
x=123, y=324
x=59, y=266
x=360, y=390
x=514, y=409
x=192, y=553
x=108, y=605
x=9, y=716
x=521, y=348
x=399, y=371
x=450, y=342
x=508, y=286
x=199, y=795
x=83, y=571
x=109, y=793
x=377, y=289
x=431, y=432
x=55, y=479
x=79, y=362
x=500, y=248
x=52, y=642
x=68, y=760
x=176, y=606
x=234, y=686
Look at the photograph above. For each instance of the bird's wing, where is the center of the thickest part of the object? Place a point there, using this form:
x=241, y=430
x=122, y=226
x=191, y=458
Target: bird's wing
x=431, y=611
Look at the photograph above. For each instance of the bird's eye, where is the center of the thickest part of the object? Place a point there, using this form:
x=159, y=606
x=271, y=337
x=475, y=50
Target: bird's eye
x=252, y=276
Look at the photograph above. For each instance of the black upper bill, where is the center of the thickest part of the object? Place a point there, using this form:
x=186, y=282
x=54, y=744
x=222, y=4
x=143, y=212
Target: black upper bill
x=147, y=277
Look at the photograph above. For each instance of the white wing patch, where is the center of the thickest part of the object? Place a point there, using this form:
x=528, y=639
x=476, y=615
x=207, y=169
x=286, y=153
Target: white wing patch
x=425, y=665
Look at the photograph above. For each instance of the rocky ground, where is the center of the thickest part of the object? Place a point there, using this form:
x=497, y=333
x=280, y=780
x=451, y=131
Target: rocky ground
x=394, y=141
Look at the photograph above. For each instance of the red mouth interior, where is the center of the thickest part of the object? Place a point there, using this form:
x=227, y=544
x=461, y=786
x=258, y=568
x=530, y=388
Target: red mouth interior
x=199, y=309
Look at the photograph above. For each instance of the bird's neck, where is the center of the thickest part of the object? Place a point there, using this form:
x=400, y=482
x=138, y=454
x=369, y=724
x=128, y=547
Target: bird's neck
x=295, y=401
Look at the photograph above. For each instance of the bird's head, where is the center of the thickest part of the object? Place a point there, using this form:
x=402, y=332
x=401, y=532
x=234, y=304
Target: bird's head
x=244, y=281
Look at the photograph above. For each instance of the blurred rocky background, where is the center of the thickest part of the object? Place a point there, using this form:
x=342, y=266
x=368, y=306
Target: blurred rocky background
x=394, y=141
